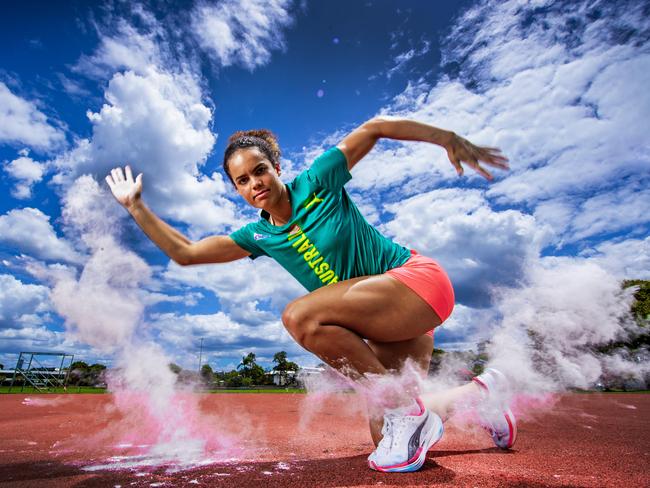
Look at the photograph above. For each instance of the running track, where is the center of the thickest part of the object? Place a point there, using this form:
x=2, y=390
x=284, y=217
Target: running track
x=584, y=440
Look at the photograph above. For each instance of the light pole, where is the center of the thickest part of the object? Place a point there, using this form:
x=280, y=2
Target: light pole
x=200, y=354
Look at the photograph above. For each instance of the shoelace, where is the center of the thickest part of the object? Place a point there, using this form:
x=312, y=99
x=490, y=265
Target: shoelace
x=392, y=429
x=386, y=442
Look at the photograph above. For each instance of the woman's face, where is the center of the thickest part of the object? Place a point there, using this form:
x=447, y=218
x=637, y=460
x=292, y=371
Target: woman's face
x=256, y=178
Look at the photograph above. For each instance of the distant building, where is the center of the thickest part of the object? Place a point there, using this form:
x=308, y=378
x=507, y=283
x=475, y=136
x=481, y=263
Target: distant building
x=284, y=378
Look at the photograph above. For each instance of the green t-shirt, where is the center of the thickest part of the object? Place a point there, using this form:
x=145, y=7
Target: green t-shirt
x=327, y=239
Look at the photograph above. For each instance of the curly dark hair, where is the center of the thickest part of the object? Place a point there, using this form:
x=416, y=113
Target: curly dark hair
x=263, y=139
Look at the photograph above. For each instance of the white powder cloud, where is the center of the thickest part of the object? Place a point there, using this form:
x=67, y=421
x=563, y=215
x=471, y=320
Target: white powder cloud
x=101, y=305
x=24, y=123
x=550, y=326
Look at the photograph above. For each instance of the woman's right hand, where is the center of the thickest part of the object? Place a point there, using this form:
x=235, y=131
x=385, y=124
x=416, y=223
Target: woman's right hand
x=125, y=189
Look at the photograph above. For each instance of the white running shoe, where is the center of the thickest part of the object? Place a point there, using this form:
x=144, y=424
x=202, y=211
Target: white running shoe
x=407, y=438
x=494, y=413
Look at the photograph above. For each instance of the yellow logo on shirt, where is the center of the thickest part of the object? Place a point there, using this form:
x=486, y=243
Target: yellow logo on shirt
x=312, y=256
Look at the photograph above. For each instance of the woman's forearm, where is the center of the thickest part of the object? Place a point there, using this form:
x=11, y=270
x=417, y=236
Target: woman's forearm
x=168, y=239
x=410, y=130
x=360, y=141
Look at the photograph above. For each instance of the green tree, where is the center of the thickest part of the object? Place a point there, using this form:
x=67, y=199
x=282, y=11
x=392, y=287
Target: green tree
x=280, y=360
x=257, y=375
x=247, y=364
x=207, y=375
x=283, y=365
x=175, y=368
x=81, y=365
x=437, y=356
x=233, y=379
x=640, y=310
x=95, y=375
x=641, y=305
x=78, y=373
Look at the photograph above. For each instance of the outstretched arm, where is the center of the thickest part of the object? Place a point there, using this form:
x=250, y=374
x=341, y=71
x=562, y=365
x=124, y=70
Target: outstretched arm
x=459, y=150
x=215, y=249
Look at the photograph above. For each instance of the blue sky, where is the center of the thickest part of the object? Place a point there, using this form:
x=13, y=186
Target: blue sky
x=559, y=86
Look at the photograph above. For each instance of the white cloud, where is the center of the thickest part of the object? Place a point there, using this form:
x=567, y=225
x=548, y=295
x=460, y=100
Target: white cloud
x=627, y=258
x=182, y=330
x=241, y=282
x=21, y=305
x=156, y=116
x=28, y=172
x=225, y=337
x=466, y=327
x=480, y=248
x=157, y=123
x=73, y=87
x=24, y=123
x=30, y=338
x=553, y=99
x=29, y=231
x=241, y=32
x=402, y=59
x=125, y=49
x=612, y=211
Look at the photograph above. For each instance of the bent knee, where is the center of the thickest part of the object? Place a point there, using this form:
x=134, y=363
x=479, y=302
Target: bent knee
x=300, y=323
x=292, y=315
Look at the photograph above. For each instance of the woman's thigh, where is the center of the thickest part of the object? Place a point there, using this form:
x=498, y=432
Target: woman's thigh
x=379, y=308
x=393, y=355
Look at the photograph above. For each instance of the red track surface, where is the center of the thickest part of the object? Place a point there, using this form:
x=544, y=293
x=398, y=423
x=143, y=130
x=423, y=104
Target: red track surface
x=585, y=440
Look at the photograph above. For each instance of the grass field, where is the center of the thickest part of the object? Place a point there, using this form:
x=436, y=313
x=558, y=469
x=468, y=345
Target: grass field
x=71, y=389
x=90, y=389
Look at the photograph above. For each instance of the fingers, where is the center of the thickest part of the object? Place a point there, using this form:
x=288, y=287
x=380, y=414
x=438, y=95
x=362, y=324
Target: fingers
x=457, y=165
x=485, y=174
x=473, y=162
x=129, y=174
x=456, y=162
x=109, y=180
x=493, y=157
x=117, y=174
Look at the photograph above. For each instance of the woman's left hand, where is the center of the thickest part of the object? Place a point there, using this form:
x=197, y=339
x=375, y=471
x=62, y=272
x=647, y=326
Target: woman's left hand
x=460, y=150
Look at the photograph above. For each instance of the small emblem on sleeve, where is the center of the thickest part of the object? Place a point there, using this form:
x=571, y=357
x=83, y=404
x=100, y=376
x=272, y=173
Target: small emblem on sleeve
x=314, y=201
x=258, y=237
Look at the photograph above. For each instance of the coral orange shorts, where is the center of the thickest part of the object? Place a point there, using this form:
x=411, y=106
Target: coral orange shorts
x=427, y=278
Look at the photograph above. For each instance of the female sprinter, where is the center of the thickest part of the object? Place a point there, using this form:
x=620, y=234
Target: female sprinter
x=372, y=304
